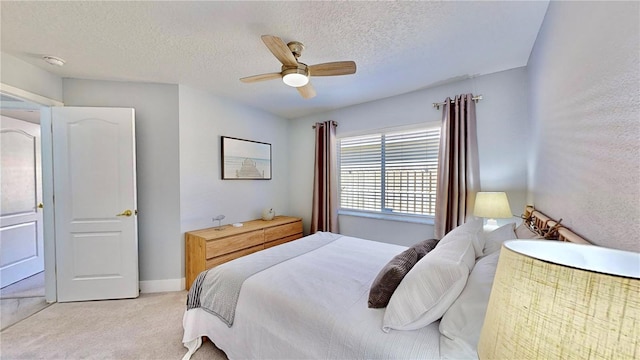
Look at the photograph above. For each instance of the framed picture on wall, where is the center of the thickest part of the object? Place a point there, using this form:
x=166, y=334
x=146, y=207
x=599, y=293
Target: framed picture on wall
x=245, y=159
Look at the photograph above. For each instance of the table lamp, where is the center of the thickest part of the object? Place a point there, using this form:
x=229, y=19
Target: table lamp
x=492, y=205
x=558, y=300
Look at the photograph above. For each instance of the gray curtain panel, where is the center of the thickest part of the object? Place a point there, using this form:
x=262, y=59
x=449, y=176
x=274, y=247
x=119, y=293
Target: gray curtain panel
x=458, y=169
x=324, y=215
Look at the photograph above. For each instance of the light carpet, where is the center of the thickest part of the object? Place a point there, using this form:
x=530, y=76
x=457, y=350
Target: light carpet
x=21, y=300
x=32, y=286
x=149, y=327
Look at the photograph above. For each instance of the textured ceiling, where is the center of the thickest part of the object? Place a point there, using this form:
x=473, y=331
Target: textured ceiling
x=398, y=46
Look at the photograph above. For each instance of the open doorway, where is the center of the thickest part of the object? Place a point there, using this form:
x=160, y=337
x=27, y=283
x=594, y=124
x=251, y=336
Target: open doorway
x=22, y=279
x=73, y=265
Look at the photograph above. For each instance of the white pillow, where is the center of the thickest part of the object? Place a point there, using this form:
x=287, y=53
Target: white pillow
x=470, y=231
x=431, y=286
x=461, y=324
x=493, y=240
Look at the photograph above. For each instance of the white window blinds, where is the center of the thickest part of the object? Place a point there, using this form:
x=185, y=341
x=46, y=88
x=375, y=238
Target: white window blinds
x=394, y=172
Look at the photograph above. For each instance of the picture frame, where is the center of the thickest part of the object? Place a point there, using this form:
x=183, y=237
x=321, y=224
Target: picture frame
x=245, y=159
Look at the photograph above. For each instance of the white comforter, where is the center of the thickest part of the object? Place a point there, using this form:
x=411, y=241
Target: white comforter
x=314, y=306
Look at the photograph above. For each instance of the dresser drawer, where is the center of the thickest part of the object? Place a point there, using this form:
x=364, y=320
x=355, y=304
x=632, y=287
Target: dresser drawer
x=278, y=232
x=228, y=257
x=282, y=240
x=231, y=244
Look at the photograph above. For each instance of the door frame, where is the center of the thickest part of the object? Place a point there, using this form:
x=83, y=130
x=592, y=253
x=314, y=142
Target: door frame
x=48, y=215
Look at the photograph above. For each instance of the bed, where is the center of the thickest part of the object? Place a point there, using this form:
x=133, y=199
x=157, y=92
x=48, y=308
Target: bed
x=312, y=298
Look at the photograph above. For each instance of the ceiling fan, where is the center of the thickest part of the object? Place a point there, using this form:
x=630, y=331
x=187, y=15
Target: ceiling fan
x=295, y=73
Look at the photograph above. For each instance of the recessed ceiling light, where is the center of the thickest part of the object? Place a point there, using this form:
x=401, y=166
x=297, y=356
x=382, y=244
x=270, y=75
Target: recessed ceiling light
x=53, y=60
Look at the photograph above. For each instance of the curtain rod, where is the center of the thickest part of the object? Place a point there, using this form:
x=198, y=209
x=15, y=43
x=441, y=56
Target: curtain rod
x=475, y=98
x=334, y=123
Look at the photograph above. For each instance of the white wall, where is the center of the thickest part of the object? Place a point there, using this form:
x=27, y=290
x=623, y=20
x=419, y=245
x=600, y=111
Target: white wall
x=161, y=251
x=503, y=129
x=584, y=75
x=204, y=118
x=25, y=76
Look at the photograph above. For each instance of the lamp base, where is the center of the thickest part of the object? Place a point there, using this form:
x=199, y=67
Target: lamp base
x=491, y=225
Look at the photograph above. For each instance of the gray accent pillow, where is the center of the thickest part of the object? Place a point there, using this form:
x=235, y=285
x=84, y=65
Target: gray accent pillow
x=423, y=247
x=392, y=274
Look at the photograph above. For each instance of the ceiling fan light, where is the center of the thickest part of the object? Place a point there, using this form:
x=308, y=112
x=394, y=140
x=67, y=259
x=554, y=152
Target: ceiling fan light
x=295, y=77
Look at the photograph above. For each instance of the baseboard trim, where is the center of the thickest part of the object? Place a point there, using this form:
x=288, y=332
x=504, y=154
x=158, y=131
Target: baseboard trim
x=154, y=286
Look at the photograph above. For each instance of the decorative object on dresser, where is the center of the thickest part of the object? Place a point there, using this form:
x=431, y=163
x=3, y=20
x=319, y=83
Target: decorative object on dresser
x=554, y=300
x=206, y=248
x=219, y=220
x=268, y=214
x=492, y=205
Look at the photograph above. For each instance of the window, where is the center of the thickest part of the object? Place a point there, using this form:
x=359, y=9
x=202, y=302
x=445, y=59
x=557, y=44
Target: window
x=393, y=173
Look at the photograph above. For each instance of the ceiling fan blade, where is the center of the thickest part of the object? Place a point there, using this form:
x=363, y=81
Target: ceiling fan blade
x=261, y=77
x=307, y=91
x=280, y=50
x=333, y=68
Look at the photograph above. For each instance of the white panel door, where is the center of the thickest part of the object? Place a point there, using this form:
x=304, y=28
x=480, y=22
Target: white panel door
x=95, y=203
x=21, y=241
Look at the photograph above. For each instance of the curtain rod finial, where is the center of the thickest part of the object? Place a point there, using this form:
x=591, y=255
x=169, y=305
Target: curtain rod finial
x=474, y=98
x=333, y=122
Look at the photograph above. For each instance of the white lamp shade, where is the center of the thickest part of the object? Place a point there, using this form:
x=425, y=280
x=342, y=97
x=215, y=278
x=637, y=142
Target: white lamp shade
x=557, y=300
x=492, y=205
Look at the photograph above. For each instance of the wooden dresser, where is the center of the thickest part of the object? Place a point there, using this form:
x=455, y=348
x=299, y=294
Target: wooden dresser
x=206, y=248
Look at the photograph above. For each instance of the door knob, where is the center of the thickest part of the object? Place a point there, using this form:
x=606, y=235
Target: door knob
x=125, y=213
x=40, y=206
